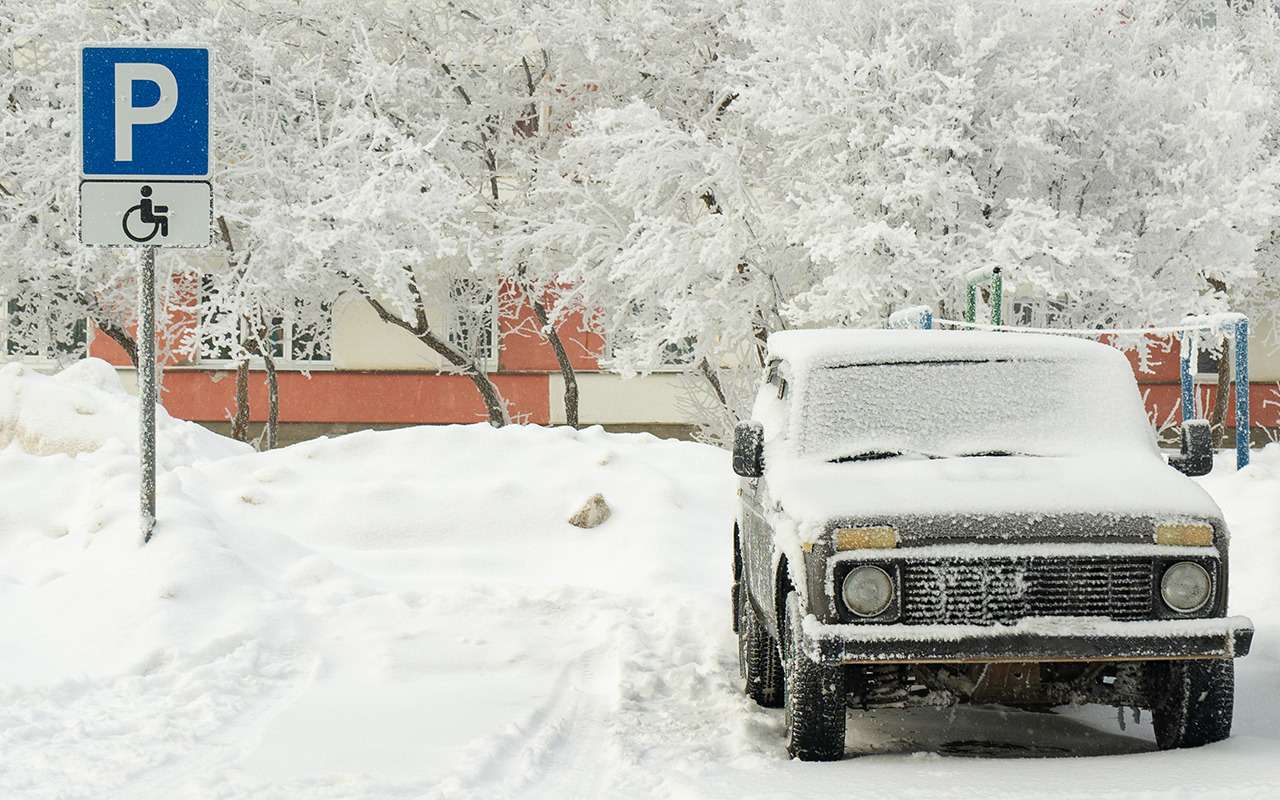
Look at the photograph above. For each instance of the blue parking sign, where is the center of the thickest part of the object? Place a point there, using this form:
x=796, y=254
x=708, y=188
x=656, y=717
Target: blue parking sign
x=144, y=111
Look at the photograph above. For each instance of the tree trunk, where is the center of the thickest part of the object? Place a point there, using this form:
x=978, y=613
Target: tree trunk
x=1219, y=415
x=712, y=378
x=493, y=404
x=120, y=337
x=1217, y=420
x=528, y=125
x=273, y=401
x=567, y=372
x=240, y=422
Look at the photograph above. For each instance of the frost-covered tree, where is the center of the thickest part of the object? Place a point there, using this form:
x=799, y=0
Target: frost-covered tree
x=1111, y=156
x=689, y=175
x=404, y=142
x=648, y=216
x=342, y=165
x=825, y=162
x=357, y=149
x=45, y=274
x=1115, y=159
x=58, y=283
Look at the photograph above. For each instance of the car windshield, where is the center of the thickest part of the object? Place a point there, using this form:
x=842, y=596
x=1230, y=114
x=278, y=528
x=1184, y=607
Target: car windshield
x=947, y=409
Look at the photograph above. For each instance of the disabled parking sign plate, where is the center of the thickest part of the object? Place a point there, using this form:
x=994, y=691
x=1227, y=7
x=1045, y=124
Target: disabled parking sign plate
x=111, y=213
x=144, y=146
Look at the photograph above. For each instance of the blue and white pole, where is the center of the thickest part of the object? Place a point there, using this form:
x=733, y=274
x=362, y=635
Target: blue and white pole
x=1242, y=391
x=1186, y=346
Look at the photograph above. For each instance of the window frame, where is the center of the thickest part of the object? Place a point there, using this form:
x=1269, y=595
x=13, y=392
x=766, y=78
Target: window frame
x=38, y=360
x=285, y=363
x=490, y=360
x=665, y=366
x=1044, y=312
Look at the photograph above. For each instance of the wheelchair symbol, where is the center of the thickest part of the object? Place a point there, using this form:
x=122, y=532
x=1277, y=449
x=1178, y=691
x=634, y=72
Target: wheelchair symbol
x=148, y=214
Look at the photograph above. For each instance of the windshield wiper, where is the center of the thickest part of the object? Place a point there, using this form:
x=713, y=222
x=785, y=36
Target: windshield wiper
x=870, y=455
x=877, y=455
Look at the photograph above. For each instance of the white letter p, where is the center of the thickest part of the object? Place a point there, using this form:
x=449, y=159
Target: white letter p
x=127, y=115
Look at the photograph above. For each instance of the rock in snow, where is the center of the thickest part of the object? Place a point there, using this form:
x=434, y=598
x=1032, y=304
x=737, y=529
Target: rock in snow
x=593, y=513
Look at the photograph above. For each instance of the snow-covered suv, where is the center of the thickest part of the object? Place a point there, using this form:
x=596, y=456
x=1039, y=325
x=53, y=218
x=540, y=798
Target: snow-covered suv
x=935, y=517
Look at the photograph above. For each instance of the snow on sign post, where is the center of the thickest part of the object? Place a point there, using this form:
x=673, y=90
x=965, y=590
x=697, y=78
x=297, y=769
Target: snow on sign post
x=144, y=167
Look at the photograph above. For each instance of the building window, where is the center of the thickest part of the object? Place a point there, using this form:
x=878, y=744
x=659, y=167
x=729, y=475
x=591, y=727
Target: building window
x=1207, y=360
x=29, y=332
x=289, y=337
x=1038, y=313
x=678, y=353
x=472, y=319
x=309, y=341
x=673, y=355
x=217, y=341
x=1209, y=356
x=627, y=346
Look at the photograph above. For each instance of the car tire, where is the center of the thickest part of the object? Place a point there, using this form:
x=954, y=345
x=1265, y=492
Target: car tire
x=735, y=593
x=758, y=660
x=1192, y=702
x=815, y=698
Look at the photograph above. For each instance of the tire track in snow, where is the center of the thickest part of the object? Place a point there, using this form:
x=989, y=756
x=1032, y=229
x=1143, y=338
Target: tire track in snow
x=650, y=699
x=227, y=745
x=99, y=737
x=682, y=710
x=554, y=751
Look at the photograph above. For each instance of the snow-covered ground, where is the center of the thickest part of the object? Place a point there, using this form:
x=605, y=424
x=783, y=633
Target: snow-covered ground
x=408, y=614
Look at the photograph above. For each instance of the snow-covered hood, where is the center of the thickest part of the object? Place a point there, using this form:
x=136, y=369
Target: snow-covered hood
x=1051, y=496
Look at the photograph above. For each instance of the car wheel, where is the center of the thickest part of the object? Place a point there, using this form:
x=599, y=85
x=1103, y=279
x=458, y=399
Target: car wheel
x=758, y=660
x=1191, y=701
x=815, y=698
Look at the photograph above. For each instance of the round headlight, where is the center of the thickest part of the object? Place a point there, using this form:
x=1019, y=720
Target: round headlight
x=1185, y=586
x=867, y=591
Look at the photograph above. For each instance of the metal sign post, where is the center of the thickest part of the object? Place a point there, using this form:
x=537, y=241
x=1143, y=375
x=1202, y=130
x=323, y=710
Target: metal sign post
x=147, y=390
x=145, y=155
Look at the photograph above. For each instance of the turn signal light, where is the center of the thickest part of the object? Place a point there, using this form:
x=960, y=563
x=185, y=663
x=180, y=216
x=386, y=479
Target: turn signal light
x=1185, y=534
x=866, y=538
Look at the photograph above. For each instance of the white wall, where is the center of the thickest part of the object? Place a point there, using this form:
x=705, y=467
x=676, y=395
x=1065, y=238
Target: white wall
x=607, y=399
x=1264, y=358
x=362, y=341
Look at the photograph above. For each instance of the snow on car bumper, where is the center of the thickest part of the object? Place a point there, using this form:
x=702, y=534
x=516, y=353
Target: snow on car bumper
x=1034, y=639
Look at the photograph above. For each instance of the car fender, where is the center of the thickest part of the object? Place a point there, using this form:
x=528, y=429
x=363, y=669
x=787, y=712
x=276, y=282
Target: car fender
x=787, y=568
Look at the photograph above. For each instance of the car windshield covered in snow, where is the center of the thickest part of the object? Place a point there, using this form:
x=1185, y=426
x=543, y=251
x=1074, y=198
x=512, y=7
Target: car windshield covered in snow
x=993, y=407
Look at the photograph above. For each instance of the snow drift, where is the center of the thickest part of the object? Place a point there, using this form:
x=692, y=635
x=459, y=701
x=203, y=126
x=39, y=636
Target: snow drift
x=82, y=408
x=410, y=614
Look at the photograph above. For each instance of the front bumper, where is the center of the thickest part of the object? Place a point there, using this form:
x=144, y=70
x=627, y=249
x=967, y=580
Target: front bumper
x=1032, y=639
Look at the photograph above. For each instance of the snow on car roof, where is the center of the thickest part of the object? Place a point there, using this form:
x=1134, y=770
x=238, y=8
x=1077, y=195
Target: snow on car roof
x=948, y=393
x=805, y=349
x=987, y=423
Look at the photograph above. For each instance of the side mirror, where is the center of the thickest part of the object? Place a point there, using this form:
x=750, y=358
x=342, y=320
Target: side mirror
x=748, y=449
x=1196, y=457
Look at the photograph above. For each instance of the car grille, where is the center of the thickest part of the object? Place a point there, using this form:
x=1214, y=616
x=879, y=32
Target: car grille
x=988, y=592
